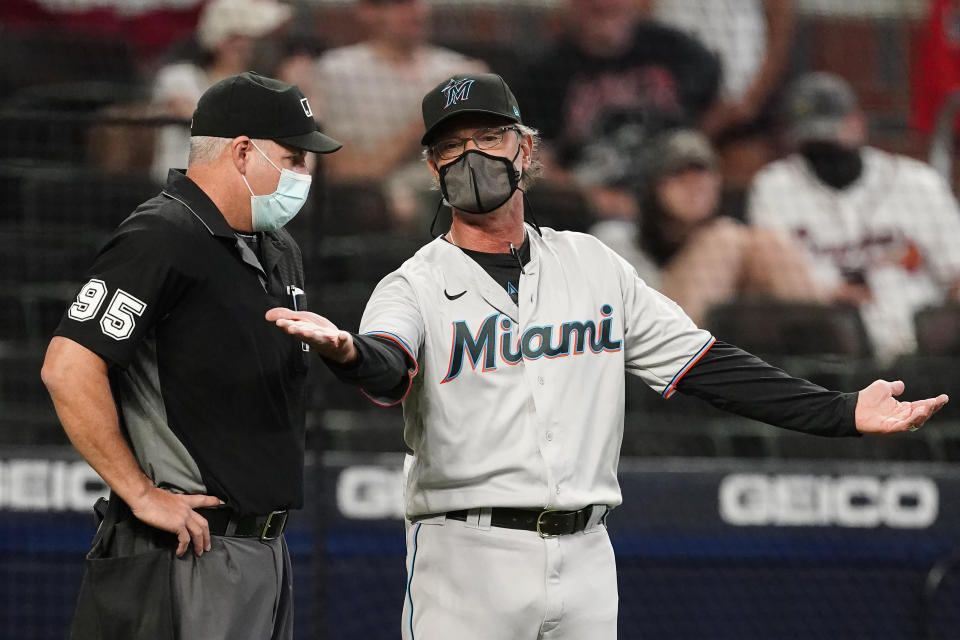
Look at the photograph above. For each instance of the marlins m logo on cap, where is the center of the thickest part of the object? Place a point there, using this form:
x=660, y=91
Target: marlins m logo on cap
x=470, y=93
x=457, y=91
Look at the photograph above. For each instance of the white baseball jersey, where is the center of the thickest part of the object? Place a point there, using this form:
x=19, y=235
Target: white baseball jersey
x=897, y=227
x=522, y=405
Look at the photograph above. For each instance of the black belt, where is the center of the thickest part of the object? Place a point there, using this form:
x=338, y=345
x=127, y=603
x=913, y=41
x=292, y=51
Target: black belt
x=224, y=521
x=547, y=522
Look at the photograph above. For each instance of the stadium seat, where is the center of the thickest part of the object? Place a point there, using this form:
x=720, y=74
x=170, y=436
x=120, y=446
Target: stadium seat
x=790, y=329
x=560, y=207
x=938, y=330
x=83, y=198
x=42, y=256
x=359, y=258
x=26, y=413
x=32, y=58
x=342, y=302
x=347, y=208
x=648, y=443
x=13, y=316
x=907, y=446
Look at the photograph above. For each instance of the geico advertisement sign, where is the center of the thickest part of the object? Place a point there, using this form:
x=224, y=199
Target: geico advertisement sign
x=900, y=502
x=370, y=493
x=48, y=485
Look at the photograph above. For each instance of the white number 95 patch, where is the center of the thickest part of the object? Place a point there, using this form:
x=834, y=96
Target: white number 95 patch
x=118, y=320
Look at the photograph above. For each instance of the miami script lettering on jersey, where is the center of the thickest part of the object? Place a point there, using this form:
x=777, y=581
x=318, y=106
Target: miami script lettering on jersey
x=497, y=340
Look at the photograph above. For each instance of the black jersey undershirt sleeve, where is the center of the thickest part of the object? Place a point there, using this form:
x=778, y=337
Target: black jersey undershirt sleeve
x=382, y=367
x=733, y=380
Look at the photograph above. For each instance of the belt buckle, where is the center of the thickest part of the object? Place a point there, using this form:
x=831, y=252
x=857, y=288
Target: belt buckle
x=280, y=521
x=540, y=531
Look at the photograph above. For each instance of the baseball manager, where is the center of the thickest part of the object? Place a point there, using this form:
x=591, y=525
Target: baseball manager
x=507, y=345
x=169, y=383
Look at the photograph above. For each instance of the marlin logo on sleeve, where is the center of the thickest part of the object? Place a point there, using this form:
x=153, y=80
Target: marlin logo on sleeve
x=457, y=91
x=571, y=338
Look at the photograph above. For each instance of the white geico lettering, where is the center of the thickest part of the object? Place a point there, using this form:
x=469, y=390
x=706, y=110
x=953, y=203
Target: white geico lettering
x=900, y=502
x=370, y=493
x=48, y=485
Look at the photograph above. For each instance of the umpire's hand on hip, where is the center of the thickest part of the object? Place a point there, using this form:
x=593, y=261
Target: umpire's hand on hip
x=321, y=334
x=175, y=513
x=878, y=410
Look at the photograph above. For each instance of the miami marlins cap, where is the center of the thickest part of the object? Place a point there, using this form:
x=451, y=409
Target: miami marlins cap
x=469, y=93
x=816, y=106
x=252, y=105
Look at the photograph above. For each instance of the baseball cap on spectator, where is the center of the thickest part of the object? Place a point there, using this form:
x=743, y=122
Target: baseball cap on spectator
x=469, y=93
x=224, y=18
x=252, y=105
x=816, y=106
x=681, y=149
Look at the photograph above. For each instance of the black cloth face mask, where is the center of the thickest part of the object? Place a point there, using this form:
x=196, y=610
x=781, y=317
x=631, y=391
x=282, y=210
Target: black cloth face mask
x=834, y=164
x=478, y=182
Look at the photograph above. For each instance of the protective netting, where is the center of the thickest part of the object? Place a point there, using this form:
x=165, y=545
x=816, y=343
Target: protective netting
x=840, y=266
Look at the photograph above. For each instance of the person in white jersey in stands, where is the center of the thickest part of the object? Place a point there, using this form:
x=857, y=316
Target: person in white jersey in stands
x=880, y=230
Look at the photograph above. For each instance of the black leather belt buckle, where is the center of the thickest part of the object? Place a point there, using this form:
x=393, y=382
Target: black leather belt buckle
x=275, y=524
x=549, y=528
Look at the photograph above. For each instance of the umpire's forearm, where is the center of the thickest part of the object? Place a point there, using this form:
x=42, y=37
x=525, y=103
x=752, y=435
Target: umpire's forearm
x=77, y=381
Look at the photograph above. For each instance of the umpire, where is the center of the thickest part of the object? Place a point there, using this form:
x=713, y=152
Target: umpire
x=169, y=383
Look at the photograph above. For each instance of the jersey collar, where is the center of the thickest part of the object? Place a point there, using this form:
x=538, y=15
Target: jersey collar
x=464, y=273
x=184, y=190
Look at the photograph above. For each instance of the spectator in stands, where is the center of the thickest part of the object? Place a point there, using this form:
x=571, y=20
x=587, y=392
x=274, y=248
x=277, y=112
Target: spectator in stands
x=752, y=40
x=369, y=93
x=611, y=80
x=880, y=230
x=226, y=33
x=682, y=247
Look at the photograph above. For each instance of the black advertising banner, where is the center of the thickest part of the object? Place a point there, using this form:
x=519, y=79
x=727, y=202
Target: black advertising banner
x=706, y=548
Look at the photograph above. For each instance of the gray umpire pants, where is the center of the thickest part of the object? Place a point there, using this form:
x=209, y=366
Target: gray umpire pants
x=241, y=588
x=134, y=587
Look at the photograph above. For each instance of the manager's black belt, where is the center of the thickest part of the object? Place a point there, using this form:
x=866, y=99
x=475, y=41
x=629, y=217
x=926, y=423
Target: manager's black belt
x=546, y=522
x=226, y=522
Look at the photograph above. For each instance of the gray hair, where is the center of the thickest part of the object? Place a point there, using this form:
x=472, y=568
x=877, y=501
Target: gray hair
x=206, y=149
x=536, y=165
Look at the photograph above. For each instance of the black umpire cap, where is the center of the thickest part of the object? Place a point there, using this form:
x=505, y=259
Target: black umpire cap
x=252, y=105
x=469, y=93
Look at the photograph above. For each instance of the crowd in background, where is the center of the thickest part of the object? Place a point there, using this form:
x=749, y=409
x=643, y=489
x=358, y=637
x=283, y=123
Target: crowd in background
x=681, y=133
x=650, y=112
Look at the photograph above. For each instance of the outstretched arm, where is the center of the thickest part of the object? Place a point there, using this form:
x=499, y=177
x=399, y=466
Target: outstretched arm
x=78, y=384
x=731, y=379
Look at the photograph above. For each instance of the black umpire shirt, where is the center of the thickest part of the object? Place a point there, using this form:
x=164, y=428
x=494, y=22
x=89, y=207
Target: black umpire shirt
x=211, y=395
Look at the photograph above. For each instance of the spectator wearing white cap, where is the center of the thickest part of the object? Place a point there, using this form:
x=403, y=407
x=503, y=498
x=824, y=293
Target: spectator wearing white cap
x=226, y=33
x=880, y=230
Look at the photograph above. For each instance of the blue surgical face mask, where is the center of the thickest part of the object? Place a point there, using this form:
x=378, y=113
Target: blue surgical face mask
x=273, y=210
